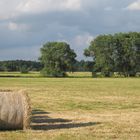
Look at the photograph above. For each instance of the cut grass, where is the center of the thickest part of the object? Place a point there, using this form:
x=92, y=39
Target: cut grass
x=79, y=108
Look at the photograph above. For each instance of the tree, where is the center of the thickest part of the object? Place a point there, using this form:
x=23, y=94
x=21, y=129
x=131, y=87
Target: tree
x=127, y=53
x=83, y=66
x=16, y=65
x=24, y=69
x=116, y=53
x=101, y=51
x=57, y=58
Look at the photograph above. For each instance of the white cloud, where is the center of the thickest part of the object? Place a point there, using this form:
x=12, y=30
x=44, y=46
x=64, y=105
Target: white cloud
x=84, y=39
x=38, y=6
x=7, y=8
x=14, y=8
x=17, y=27
x=134, y=6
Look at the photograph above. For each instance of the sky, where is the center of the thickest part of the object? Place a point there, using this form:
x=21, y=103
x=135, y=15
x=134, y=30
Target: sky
x=25, y=25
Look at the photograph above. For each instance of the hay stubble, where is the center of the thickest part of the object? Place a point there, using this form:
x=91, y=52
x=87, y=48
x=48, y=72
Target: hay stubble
x=80, y=108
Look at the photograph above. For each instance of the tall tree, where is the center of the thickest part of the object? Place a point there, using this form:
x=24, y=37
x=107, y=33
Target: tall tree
x=57, y=58
x=127, y=54
x=101, y=50
x=119, y=52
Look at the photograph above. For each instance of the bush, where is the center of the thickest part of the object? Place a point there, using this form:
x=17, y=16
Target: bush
x=24, y=69
x=53, y=73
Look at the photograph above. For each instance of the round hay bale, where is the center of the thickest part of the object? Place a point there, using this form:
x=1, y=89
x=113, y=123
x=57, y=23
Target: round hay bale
x=14, y=110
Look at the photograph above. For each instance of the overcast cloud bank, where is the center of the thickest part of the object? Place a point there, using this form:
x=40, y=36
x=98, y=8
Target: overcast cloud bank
x=27, y=24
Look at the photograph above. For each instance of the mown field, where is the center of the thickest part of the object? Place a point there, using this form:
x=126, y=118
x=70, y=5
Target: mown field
x=81, y=108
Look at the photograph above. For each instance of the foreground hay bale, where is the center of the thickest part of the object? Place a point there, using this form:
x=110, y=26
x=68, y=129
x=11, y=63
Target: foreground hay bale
x=14, y=110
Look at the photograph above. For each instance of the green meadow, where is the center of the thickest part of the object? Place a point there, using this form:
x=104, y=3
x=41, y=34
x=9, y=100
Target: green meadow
x=78, y=107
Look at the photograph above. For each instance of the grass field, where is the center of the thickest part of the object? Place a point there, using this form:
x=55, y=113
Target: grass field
x=81, y=108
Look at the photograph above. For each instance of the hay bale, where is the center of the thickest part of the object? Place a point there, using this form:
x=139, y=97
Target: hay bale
x=14, y=110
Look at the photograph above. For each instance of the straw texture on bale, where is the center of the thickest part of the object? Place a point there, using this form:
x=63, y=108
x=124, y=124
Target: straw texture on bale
x=14, y=110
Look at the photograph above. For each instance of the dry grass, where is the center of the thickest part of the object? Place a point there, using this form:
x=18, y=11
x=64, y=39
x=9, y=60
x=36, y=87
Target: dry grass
x=14, y=110
x=79, y=108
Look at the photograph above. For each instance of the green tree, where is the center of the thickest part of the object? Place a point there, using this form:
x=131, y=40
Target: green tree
x=127, y=53
x=116, y=53
x=57, y=58
x=16, y=65
x=24, y=69
x=101, y=50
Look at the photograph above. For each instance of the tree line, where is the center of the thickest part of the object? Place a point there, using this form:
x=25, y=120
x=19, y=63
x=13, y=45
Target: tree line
x=20, y=65
x=24, y=66
x=111, y=54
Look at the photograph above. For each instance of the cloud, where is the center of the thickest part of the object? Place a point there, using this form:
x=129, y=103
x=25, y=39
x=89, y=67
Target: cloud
x=25, y=24
x=39, y=6
x=108, y=8
x=7, y=8
x=134, y=6
x=81, y=40
x=16, y=8
x=17, y=27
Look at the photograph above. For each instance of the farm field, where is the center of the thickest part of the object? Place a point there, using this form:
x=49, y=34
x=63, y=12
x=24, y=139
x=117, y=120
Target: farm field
x=37, y=74
x=81, y=108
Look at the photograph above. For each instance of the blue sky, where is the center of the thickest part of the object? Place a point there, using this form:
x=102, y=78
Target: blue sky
x=25, y=25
